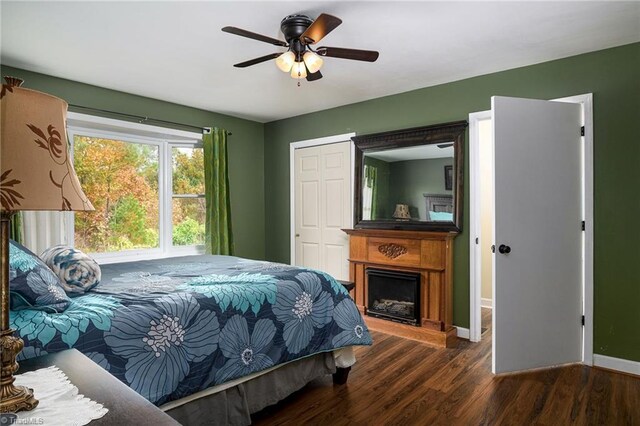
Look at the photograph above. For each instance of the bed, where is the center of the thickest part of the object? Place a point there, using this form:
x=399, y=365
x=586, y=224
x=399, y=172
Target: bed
x=206, y=337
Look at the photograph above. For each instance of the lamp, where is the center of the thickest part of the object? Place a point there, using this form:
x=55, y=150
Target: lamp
x=298, y=70
x=35, y=174
x=402, y=212
x=313, y=61
x=286, y=61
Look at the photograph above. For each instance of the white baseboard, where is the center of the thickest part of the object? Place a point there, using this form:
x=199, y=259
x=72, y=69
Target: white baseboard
x=486, y=303
x=618, y=364
x=463, y=333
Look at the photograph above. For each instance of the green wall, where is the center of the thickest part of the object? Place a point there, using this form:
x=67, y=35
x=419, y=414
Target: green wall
x=246, y=146
x=612, y=76
x=411, y=179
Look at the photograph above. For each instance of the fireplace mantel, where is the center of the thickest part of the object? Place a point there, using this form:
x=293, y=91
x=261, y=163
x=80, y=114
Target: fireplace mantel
x=428, y=253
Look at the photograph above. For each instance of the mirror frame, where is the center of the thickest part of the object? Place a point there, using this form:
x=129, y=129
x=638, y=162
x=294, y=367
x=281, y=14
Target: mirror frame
x=427, y=135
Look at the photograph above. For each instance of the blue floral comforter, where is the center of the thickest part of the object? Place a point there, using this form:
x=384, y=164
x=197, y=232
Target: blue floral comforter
x=172, y=327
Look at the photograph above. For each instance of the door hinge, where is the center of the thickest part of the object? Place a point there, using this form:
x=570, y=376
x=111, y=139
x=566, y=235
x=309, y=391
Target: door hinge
x=582, y=321
x=582, y=131
x=583, y=225
x=476, y=240
x=493, y=248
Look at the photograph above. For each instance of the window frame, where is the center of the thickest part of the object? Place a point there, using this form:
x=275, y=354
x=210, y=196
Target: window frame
x=165, y=139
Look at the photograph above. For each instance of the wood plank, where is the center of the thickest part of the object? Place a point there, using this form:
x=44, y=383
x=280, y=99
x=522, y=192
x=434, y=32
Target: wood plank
x=448, y=284
x=398, y=252
x=360, y=285
x=400, y=382
x=358, y=248
x=419, y=334
x=432, y=255
x=392, y=233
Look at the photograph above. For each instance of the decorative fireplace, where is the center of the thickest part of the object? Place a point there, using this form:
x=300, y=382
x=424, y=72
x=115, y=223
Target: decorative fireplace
x=394, y=295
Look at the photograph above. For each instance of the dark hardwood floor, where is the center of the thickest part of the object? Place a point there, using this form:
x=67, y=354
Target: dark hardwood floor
x=402, y=382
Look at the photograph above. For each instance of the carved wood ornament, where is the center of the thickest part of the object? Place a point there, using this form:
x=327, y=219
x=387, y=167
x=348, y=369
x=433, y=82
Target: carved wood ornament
x=392, y=250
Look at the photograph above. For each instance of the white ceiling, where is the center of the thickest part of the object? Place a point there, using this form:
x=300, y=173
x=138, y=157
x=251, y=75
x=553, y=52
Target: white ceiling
x=422, y=152
x=175, y=51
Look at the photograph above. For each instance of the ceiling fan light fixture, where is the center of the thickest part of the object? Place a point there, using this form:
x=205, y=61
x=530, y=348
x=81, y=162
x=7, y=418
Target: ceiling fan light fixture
x=313, y=61
x=285, y=61
x=298, y=70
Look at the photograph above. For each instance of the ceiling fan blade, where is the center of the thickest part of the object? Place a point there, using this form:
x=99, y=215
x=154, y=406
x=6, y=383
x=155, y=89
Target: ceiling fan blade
x=315, y=76
x=322, y=26
x=257, y=60
x=254, y=36
x=355, y=54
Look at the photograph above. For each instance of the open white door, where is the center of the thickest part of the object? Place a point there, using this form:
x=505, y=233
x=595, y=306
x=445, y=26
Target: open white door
x=537, y=281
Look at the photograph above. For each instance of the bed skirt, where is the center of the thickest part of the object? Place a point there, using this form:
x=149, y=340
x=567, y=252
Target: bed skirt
x=234, y=406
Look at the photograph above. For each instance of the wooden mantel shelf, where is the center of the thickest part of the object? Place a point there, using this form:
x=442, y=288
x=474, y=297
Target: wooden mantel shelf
x=392, y=233
x=430, y=254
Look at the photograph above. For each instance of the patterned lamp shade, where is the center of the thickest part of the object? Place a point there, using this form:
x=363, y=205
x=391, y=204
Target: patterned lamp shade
x=36, y=172
x=402, y=212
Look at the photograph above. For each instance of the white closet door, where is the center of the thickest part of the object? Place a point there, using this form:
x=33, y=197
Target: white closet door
x=336, y=212
x=308, y=186
x=322, y=210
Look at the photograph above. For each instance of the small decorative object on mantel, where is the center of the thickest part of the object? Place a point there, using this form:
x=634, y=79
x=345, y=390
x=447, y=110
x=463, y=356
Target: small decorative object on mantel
x=60, y=403
x=36, y=173
x=402, y=212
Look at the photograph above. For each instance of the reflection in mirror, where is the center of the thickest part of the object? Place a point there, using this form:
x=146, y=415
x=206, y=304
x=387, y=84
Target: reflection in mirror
x=411, y=184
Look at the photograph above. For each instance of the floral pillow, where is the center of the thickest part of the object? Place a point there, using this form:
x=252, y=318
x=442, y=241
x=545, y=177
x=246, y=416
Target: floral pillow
x=78, y=272
x=32, y=284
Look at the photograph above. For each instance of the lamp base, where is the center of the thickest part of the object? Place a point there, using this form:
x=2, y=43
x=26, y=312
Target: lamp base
x=12, y=398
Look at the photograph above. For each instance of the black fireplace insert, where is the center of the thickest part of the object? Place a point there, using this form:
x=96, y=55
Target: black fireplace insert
x=394, y=295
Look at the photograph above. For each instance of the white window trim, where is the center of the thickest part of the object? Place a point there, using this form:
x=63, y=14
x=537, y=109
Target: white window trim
x=165, y=139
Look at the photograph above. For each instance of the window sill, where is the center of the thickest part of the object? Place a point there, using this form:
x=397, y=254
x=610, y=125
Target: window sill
x=136, y=255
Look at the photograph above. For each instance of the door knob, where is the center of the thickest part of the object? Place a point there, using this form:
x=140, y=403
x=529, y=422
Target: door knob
x=504, y=249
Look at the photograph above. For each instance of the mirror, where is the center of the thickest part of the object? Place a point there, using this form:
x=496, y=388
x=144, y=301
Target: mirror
x=410, y=179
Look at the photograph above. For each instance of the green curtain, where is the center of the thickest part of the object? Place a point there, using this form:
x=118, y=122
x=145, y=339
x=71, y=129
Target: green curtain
x=371, y=177
x=218, y=235
x=15, y=227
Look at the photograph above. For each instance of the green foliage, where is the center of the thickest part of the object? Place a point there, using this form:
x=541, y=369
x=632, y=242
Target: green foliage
x=188, y=232
x=188, y=171
x=129, y=219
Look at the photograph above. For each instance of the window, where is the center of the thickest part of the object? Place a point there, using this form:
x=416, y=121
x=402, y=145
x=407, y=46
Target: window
x=188, y=208
x=146, y=184
x=121, y=180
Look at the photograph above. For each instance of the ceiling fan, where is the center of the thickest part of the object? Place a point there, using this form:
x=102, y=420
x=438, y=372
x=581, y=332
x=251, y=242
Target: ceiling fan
x=301, y=59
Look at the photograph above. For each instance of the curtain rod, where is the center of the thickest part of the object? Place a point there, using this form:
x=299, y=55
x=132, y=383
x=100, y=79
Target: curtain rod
x=142, y=119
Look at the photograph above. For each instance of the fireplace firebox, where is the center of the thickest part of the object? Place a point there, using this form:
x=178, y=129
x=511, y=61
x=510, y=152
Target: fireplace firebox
x=393, y=295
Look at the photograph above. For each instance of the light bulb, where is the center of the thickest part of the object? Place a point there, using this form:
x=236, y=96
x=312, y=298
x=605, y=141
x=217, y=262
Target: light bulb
x=286, y=61
x=313, y=61
x=298, y=70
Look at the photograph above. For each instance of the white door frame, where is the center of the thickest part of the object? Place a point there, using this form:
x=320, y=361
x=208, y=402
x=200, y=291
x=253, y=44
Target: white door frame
x=586, y=101
x=345, y=137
